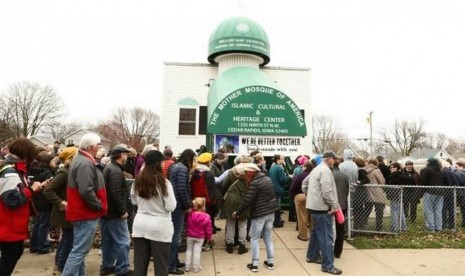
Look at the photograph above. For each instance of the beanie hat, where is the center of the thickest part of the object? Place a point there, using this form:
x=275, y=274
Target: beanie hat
x=204, y=158
x=67, y=153
x=301, y=160
x=153, y=156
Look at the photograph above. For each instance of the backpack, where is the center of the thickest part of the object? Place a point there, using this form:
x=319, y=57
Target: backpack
x=199, y=186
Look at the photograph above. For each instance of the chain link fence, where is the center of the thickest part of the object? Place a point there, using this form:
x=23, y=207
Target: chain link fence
x=392, y=209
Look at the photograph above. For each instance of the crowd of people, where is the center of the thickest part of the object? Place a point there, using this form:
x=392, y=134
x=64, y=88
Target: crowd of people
x=80, y=190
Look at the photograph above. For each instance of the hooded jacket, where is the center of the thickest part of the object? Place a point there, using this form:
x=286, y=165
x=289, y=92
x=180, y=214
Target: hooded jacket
x=348, y=167
x=233, y=199
x=431, y=175
x=375, y=176
x=213, y=193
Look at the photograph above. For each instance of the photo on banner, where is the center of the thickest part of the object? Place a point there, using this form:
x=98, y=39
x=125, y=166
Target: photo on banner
x=230, y=143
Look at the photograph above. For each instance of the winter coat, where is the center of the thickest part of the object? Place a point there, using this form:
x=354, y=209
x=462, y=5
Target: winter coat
x=385, y=171
x=213, y=193
x=233, y=199
x=117, y=190
x=198, y=225
x=260, y=197
x=432, y=176
x=87, y=197
x=139, y=162
x=349, y=168
x=396, y=178
x=375, y=176
x=14, y=204
x=217, y=169
x=342, y=187
x=166, y=165
x=40, y=202
x=461, y=177
x=55, y=192
x=278, y=178
x=230, y=178
x=179, y=178
x=321, y=189
x=450, y=179
x=296, y=186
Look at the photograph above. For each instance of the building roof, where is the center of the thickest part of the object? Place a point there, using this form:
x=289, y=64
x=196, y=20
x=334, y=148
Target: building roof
x=43, y=140
x=427, y=153
x=239, y=35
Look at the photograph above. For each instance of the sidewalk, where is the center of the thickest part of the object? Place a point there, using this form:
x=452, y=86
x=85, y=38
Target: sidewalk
x=290, y=260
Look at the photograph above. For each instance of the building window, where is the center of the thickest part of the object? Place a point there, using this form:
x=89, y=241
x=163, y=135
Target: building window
x=187, y=119
x=70, y=142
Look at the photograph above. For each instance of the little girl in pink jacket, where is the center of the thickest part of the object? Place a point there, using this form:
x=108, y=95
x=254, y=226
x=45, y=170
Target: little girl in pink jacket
x=198, y=229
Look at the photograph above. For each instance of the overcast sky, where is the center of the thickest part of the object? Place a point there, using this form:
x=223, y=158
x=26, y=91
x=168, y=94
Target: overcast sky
x=402, y=59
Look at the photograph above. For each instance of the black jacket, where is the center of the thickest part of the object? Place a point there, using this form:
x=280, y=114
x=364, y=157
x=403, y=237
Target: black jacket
x=260, y=197
x=40, y=202
x=432, y=176
x=396, y=178
x=384, y=170
x=117, y=190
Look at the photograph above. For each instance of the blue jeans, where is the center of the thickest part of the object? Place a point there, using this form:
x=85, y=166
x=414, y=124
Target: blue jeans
x=433, y=211
x=64, y=247
x=178, y=224
x=321, y=239
x=115, y=245
x=39, y=236
x=397, y=215
x=84, y=232
x=277, y=214
x=262, y=226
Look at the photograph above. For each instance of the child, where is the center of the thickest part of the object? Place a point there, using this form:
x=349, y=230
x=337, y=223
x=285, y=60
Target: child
x=198, y=229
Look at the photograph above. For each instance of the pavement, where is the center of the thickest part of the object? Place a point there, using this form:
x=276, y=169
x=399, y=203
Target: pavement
x=290, y=260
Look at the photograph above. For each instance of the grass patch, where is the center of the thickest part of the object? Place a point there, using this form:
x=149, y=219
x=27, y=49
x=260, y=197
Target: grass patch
x=413, y=239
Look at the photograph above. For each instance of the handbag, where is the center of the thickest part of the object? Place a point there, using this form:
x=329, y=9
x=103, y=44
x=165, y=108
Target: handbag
x=340, y=219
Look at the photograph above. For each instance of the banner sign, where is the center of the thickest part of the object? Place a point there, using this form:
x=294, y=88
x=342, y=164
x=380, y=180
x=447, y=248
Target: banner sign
x=267, y=145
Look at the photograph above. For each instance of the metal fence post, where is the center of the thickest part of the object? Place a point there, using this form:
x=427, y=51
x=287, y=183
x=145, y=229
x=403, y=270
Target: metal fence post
x=401, y=208
x=455, y=209
x=349, y=213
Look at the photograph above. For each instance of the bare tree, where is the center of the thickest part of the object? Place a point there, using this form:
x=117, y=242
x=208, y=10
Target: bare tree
x=405, y=136
x=435, y=141
x=129, y=126
x=27, y=106
x=325, y=134
x=59, y=130
x=455, y=147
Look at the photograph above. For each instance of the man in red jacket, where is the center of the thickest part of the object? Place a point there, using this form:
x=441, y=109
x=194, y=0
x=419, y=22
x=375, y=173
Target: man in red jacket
x=87, y=202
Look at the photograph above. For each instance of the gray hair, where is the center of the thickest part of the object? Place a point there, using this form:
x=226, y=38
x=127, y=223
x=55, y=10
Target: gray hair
x=242, y=159
x=89, y=139
x=148, y=148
